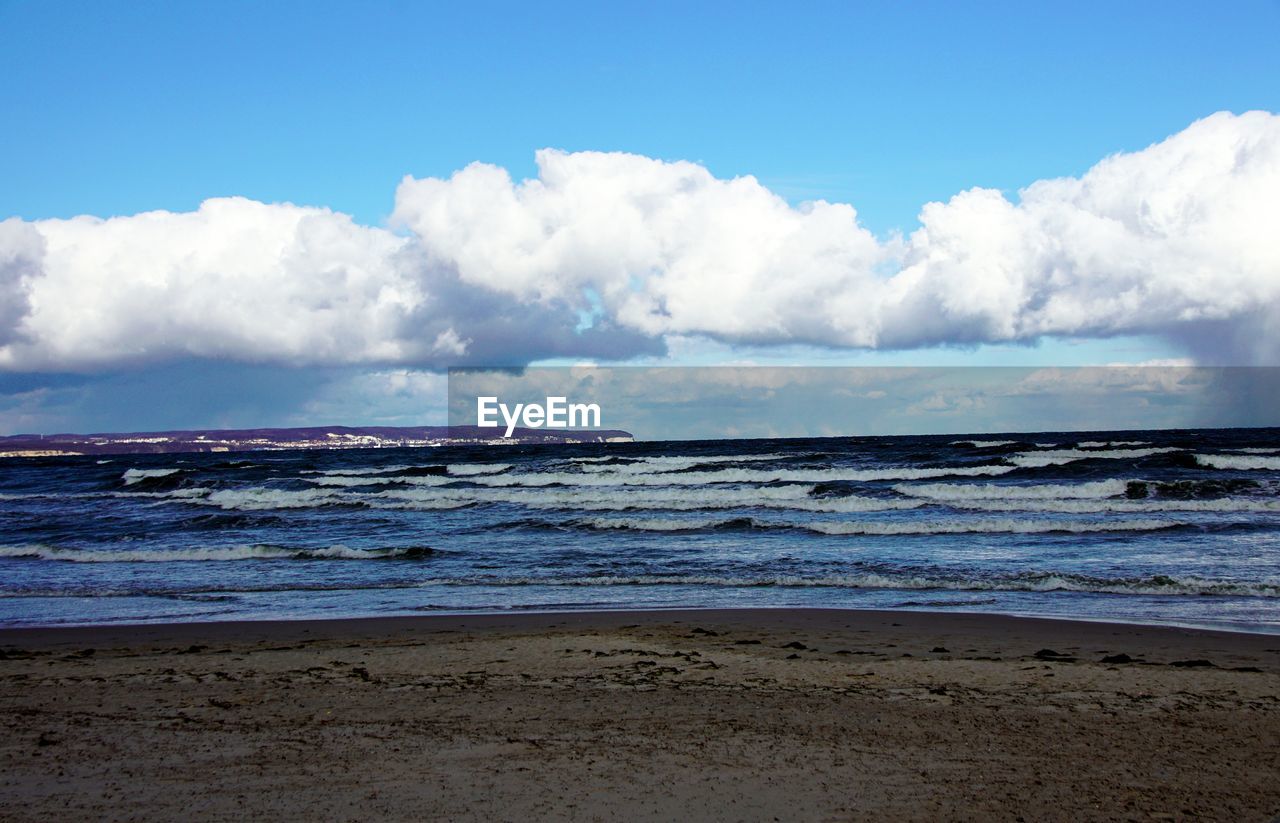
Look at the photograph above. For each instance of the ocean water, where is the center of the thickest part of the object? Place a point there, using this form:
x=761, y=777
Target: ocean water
x=1156, y=526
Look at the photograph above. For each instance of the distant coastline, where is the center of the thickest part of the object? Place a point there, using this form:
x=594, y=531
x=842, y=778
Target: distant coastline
x=311, y=437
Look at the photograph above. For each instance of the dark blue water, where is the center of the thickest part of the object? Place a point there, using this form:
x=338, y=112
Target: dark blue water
x=1180, y=527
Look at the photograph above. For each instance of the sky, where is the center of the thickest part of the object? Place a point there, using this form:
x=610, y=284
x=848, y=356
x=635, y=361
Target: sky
x=235, y=214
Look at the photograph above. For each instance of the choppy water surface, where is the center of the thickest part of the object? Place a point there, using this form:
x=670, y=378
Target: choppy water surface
x=1179, y=527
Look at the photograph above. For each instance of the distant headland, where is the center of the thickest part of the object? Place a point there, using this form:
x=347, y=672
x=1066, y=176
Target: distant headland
x=313, y=437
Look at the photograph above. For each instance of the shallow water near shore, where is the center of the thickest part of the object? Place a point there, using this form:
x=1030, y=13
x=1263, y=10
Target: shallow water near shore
x=1157, y=526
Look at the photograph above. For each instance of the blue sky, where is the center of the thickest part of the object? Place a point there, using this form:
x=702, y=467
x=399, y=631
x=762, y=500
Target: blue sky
x=115, y=108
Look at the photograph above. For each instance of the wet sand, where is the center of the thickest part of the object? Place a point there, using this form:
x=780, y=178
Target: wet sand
x=726, y=715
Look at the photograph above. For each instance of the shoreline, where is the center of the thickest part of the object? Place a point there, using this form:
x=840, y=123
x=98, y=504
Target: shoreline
x=748, y=714
x=785, y=616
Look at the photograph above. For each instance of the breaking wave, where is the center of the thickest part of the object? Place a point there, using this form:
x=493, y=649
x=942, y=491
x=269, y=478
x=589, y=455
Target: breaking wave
x=1028, y=582
x=1110, y=444
x=468, y=469
x=670, y=499
x=1224, y=461
x=664, y=465
x=1005, y=525
x=224, y=553
x=132, y=476
x=996, y=491
x=1061, y=457
x=348, y=480
x=259, y=498
x=697, y=478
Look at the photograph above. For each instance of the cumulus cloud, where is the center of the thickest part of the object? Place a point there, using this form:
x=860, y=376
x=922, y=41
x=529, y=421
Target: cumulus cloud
x=253, y=282
x=607, y=254
x=1175, y=239
x=666, y=246
x=21, y=257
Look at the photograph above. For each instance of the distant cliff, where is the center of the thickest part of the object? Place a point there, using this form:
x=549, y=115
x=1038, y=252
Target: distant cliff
x=314, y=437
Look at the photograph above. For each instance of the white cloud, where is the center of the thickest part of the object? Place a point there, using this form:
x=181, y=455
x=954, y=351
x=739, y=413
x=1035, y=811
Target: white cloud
x=252, y=282
x=1178, y=240
x=236, y=279
x=21, y=256
x=666, y=246
x=1172, y=239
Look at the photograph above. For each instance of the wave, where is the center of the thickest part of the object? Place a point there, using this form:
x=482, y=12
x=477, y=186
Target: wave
x=171, y=494
x=1060, y=457
x=670, y=499
x=884, y=528
x=348, y=480
x=983, y=444
x=738, y=476
x=675, y=463
x=467, y=469
x=989, y=526
x=1036, y=581
x=377, y=471
x=223, y=553
x=133, y=477
x=996, y=491
x=1224, y=461
x=358, y=471
x=1226, y=505
x=1110, y=444
x=259, y=498
x=1025, y=582
x=674, y=525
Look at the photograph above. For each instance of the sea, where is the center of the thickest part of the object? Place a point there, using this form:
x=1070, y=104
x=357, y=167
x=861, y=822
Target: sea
x=1176, y=527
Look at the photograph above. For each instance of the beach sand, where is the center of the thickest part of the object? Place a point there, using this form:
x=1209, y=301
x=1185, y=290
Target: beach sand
x=734, y=715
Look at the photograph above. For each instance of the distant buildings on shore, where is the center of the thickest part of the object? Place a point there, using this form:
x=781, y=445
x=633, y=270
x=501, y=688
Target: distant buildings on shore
x=330, y=437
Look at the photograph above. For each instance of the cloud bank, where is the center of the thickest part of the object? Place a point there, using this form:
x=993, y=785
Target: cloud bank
x=604, y=254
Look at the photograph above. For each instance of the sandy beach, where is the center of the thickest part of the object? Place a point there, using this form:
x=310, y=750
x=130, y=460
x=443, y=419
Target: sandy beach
x=724, y=715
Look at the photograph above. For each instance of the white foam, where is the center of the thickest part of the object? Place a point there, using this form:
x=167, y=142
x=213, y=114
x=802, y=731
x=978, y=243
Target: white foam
x=998, y=491
x=659, y=465
x=1225, y=505
x=357, y=471
x=132, y=476
x=983, y=444
x=255, y=499
x=737, y=476
x=1039, y=460
x=1225, y=461
x=1110, y=444
x=997, y=525
x=1005, y=525
x=348, y=481
x=662, y=524
x=216, y=554
x=622, y=499
x=172, y=494
x=468, y=469
x=1032, y=582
